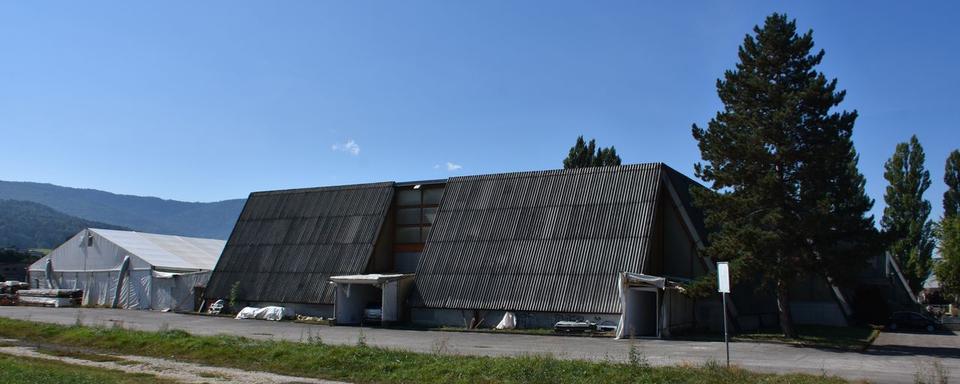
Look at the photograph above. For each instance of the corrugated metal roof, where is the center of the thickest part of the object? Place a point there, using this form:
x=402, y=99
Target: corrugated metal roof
x=287, y=244
x=539, y=241
x=166, y=251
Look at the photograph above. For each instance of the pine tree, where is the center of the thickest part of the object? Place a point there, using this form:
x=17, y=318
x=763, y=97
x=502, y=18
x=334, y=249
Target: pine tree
x=786, y=195
x=951, y=176
x=905, y=219
x=584, y=154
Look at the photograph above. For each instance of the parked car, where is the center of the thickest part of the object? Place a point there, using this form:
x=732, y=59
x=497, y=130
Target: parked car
x=373, y=313
x=912, y=320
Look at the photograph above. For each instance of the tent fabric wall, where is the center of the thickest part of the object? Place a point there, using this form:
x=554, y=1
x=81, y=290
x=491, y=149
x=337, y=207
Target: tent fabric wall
x=100, y=287
x=142, y=289
x=176, y=291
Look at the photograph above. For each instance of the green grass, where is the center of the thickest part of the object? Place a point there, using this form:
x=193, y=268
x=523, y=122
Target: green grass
x=22, y=370
x=363, y=364
x=816, y=336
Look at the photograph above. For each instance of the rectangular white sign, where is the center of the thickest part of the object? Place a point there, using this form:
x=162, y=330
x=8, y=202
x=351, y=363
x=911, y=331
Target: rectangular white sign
x=723, y=277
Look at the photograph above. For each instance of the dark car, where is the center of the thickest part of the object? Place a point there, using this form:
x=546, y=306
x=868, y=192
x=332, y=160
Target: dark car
x=372, y=313
x=912, y=320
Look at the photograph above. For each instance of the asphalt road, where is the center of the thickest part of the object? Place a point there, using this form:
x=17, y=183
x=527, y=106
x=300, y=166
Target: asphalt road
x=895, y=358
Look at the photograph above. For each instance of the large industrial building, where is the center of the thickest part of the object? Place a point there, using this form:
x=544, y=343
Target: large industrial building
x=612, y=245
x=546, y=245
x=126, y=269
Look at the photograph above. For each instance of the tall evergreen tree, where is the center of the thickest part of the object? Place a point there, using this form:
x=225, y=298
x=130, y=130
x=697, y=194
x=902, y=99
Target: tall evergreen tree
x=584, y=154
x=905, y=219
x=606, y=156
x=951, y=176
x=785, y=194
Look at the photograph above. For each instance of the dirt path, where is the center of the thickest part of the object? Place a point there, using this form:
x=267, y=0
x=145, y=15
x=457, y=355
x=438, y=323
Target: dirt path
x=163, y=368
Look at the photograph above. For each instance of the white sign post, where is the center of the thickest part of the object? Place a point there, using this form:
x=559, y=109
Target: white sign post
x=723, y=286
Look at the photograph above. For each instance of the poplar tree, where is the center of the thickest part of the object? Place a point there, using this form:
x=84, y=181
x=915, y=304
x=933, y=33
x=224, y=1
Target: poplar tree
x=584, y=154
x=948, y=232
x=951, y=176
x=948, y=269
x=785, y=194
x=905, y=222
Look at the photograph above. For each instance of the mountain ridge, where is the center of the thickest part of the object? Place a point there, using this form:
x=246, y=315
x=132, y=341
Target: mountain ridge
x=140, y=213
x=25, y=224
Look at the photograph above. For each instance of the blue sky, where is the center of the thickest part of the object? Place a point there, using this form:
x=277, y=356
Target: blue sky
x=204, y=101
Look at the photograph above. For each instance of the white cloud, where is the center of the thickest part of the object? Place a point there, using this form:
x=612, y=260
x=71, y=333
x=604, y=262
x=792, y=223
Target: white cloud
x=350, y=147
x=449, y=166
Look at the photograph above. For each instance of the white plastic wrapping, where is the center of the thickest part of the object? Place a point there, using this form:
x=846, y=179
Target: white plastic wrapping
x=47, y=301
x=509, y=321
x=265, y=313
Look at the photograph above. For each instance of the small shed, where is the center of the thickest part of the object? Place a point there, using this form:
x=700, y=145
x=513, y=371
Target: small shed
x=355, y=293
x=126, y=269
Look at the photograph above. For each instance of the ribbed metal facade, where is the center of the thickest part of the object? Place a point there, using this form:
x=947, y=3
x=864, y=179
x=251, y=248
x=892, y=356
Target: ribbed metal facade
x=549, y=241
x=286, y=244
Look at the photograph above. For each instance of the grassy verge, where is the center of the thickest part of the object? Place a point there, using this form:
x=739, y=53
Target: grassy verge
x=21, y=370
x=364, y=364
x=844, y=338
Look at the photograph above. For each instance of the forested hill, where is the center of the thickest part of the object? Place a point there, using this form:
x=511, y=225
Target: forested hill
x=25, y=224
x=139, y=213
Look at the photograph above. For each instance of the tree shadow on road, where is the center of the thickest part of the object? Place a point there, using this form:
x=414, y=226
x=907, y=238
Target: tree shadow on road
x=912, y=350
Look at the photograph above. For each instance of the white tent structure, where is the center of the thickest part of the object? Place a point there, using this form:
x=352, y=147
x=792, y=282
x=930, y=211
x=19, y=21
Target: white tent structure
x=125, y=269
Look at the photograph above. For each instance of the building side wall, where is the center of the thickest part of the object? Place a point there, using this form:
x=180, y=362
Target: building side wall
x=680, y=261
x=680, y=252
x=382, y=260
x=818, y=313
x=680, y=312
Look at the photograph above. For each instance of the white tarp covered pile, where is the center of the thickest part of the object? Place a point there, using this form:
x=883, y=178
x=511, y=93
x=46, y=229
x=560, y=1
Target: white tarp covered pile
x=56, y=302
x=509, y=321
x=49, y=297
x=265, y=313
x=127, y=269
